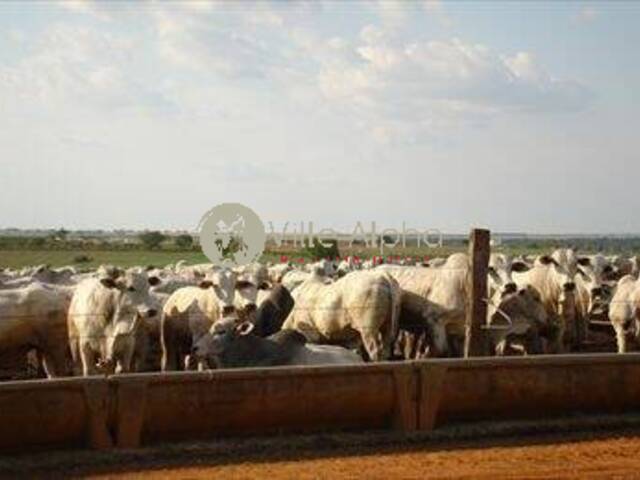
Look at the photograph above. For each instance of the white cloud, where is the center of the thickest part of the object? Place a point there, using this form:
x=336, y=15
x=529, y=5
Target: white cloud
x=390, y=85
x=409, y=87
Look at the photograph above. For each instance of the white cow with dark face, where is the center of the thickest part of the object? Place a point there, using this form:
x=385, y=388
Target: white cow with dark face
x=517, y=321
x=554, y=278
x=594, y=285
x=501, y=267
x=103, y=319
x=191, y=311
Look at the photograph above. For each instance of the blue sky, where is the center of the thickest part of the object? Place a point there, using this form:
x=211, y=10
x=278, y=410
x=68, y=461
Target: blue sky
x=517, y=116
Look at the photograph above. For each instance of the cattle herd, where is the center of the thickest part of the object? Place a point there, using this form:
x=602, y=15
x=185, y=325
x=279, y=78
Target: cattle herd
x=184, y=317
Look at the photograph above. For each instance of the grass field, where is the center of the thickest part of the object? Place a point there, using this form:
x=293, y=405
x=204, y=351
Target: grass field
x=58, y=258
x=19, y=258
x=160, y=258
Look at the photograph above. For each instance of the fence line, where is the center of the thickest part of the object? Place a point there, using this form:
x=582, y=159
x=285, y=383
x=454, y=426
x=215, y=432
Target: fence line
x=129, y=410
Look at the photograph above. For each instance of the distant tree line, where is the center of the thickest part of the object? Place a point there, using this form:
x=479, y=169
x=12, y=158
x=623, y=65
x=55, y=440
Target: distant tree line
x=59, y=240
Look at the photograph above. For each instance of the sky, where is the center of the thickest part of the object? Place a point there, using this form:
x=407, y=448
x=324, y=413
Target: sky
x=515, y=116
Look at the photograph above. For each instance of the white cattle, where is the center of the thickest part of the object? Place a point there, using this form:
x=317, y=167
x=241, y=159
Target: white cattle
x=444, y=286
x=593, y=285
x=322, y=267
x=517, y=320
x=190, y=312
x=360, y=307
x=554, y=278
x=35, y=317
x=624, y=311
x=294, y=279
x=501, y=267
x=104, y=316
x=277, y=272
x=250, y=279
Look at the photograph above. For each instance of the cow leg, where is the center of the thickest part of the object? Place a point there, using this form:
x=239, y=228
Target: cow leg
x=386, y=337
x=372, y=341
x=54, y=362
x=125, y=360
x=409, y=342
x=421, y=346
x=621, y=338
x=399, y=345
x=168, y=340
x=88, y=358
x=501, y=347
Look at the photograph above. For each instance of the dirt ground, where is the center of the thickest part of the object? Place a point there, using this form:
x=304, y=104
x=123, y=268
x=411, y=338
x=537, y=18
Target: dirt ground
x=576, y=447
x=613, y=457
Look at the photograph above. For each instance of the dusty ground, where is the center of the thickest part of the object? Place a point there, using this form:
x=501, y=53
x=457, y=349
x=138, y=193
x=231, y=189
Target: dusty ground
x=583, y=459
x=575, y=448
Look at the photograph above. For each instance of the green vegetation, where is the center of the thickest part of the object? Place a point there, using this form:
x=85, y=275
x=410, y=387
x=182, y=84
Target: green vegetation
x=184, y=242
x=152, y=240
x=319, y=250
x=60, y=249
x=58, y=258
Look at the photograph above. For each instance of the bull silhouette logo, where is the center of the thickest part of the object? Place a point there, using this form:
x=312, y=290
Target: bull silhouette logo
x=231, y=234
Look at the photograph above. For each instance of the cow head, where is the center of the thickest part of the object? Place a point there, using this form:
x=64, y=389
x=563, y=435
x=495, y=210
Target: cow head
x=563, y=267
x=220, y=337
x=517, y=317
x=250, y=279
x=222, y=283
x=131, y=293
x=132, y=305
x=595, y=271
x=500, y=269
x=437, y=333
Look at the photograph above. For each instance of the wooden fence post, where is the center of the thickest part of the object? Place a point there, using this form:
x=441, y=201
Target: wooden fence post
x=475, y=342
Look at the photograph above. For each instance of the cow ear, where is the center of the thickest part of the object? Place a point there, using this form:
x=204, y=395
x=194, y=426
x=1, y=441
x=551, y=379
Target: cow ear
x=583, y=274
x=108, y=282
x=206, y=284
x=548, y=260
x=519, y=267
x=245, y=328
x=584, y=261
x=153, y=281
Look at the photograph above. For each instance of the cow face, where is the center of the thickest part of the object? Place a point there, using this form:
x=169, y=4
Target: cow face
x=220, y=337
x=436, y=329
x=223, y=285
x=594, y=271
x=517, y=316
x=250, y=279
x=131, y=294
x=499, y=274
x=131, y=305
x=247, y=293
x=563, y=269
